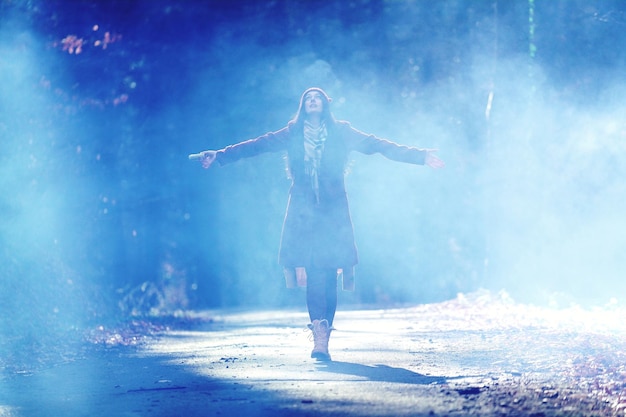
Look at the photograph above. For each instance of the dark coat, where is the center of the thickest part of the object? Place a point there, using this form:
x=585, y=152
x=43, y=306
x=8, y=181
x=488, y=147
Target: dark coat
x=319, y=234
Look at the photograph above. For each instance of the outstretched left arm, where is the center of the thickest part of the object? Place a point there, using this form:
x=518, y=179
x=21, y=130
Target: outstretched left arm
x=370, y=144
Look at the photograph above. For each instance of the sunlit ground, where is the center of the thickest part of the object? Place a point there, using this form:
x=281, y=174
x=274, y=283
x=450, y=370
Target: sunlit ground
x=478, y=354
x=8, y=411
x=475, y=343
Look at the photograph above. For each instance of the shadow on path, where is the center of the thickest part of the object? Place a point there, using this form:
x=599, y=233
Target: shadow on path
x=380, y=373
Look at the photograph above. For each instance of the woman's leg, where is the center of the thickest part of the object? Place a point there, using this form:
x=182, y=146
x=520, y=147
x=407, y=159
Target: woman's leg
x=321, y=294
x=321, y=297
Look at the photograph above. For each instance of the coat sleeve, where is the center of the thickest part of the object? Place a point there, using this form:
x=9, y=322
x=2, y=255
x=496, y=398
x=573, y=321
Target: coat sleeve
x=369, y=144
x=269, y=142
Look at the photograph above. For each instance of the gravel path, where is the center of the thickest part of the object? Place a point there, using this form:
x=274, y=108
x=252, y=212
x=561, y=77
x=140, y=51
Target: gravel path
x=476, y=355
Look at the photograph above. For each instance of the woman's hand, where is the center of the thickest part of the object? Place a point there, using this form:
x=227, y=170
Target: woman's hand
x=433, y=161
x=208, y=157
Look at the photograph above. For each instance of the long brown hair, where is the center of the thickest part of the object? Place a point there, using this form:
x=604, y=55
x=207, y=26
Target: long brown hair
x=294, y=157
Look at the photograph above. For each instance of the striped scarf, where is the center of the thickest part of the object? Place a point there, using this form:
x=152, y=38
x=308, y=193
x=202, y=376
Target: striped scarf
x=314, y=138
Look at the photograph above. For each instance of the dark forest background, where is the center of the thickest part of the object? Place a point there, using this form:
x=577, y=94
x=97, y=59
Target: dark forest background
x=101, y=102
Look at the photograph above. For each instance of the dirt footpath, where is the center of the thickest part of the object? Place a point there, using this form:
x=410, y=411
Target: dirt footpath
x=476, y=355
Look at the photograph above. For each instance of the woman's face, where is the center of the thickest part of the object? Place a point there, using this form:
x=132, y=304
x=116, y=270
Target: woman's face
x=313, y=103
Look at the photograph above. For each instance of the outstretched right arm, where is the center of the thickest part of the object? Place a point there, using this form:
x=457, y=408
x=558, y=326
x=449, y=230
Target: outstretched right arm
x=270, y=142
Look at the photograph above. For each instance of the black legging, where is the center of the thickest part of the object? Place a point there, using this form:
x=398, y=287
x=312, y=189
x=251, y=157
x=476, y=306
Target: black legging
x=321, y=293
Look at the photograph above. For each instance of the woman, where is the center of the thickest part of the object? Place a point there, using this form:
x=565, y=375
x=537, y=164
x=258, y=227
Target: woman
x=317, y=243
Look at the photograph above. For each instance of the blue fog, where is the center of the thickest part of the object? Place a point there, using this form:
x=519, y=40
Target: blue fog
x=99, y=202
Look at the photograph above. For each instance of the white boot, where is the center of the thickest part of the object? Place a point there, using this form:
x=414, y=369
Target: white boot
x=321, y=333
